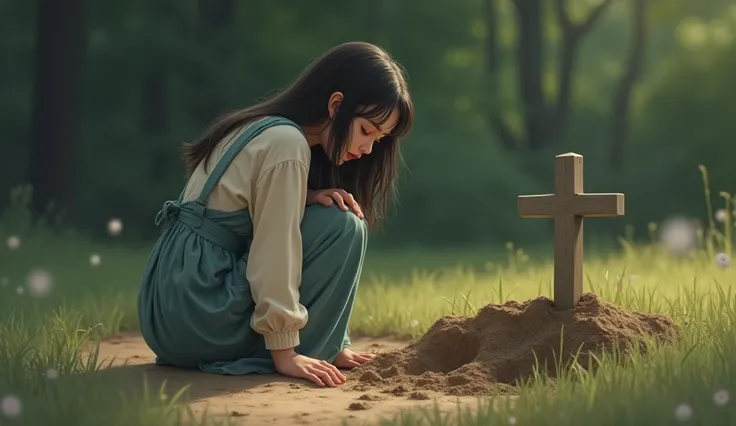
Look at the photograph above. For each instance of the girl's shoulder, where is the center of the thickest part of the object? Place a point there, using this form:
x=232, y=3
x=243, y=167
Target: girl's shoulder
x=282, y=142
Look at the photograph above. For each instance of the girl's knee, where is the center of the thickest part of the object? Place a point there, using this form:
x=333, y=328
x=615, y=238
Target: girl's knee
x=335, y=221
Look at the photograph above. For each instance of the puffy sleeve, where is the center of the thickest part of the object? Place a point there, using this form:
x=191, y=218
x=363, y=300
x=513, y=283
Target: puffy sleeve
x=275, y=261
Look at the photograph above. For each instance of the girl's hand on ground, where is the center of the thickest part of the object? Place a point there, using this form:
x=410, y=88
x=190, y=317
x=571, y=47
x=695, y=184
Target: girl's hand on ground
x=351, y=359
x=328, y=197
x=291, y=364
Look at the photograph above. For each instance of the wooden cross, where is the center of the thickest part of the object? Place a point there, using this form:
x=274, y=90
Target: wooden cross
x=568, y=206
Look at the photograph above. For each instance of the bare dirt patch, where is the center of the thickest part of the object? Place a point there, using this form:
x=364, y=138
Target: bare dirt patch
x=265, y=399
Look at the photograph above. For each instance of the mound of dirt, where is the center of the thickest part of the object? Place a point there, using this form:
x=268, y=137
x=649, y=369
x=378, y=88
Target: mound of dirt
x=500, y=345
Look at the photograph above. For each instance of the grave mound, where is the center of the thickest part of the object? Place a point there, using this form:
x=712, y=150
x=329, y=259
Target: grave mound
x=500, y=346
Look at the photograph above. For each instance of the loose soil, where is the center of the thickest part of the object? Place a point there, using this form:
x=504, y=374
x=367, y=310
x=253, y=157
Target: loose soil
x=496, y=349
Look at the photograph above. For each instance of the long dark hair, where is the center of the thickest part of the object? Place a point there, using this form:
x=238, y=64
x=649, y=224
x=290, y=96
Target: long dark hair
x=371, y=82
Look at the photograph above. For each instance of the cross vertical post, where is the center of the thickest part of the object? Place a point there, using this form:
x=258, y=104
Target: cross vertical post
x=568, y=206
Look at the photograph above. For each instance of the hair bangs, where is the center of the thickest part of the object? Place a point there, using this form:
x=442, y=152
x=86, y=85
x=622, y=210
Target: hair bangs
x=382, y=112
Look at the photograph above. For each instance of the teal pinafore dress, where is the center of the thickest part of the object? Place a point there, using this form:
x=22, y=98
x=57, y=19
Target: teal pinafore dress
x=195, y=303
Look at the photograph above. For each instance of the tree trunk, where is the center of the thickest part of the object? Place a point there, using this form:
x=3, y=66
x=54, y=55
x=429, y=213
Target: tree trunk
x=572, y=35
x=530, y=65
x=543, y=126
x=619, y=131
x=495, y=117
x=59, y=57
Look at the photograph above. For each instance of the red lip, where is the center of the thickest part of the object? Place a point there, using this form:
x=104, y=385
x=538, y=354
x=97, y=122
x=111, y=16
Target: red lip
x=352, y=156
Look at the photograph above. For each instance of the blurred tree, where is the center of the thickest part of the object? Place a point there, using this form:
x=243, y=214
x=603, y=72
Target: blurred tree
x=492, y=65
x=572, y=35
x=60, y=51
x=619, y=124
x=545, y=122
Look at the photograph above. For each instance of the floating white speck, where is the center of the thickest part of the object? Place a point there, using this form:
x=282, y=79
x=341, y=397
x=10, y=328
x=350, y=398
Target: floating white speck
x=721, y=215
x=19, y=290
x=723, y=260
x=51, y=374
x=683, y=412
x=721, y=398
x=512, y=420
x=678, y=235
x=11, y=406
x=414, y=323
x=40, y=283
x=114, y=227
x=95, y=259
x=13, y=242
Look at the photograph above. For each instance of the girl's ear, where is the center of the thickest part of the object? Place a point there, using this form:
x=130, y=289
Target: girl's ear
x=334, y=104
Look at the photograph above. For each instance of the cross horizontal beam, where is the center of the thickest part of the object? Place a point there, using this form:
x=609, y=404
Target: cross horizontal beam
x=587, y=205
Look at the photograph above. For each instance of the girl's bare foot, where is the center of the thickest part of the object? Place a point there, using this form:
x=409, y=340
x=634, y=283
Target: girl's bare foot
x=350, y=359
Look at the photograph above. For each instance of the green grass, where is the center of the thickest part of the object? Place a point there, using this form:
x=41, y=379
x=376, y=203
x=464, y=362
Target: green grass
x=401, y=294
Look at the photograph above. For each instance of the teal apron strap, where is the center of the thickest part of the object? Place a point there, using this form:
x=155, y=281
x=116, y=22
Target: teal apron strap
x=195, y=215
x=254, y=130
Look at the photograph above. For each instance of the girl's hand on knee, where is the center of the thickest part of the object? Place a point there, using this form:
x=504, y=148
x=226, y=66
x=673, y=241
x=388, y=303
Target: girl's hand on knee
x=328, y=197
x=291, y=364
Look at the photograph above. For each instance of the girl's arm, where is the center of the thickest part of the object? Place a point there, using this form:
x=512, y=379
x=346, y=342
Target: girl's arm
x=275, y=260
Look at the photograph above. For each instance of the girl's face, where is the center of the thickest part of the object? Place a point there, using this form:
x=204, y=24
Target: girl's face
x=364, y=133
